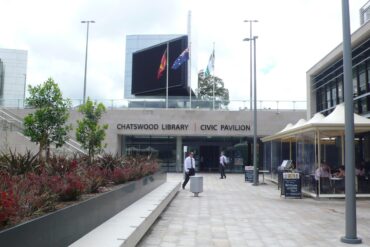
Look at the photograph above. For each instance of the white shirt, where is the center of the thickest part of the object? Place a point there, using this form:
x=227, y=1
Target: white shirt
x=222, y=160
x=188, y=163
x=321, y=173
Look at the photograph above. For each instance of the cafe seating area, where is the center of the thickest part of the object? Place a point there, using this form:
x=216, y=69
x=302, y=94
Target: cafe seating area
x=316, y=147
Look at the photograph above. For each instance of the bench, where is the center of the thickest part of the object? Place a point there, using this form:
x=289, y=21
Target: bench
x=128, y=226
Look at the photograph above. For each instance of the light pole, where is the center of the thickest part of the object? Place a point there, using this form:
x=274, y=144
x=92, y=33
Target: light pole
x=250, y=60
x=87, y=45
x=350, y=212
x=255, y=169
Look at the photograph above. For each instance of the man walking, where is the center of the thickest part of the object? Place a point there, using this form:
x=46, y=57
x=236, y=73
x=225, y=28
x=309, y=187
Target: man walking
x=222, y=165
x=189, y=168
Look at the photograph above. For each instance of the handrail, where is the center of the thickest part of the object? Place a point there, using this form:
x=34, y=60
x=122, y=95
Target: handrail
x=16, y=119
x=180, y=103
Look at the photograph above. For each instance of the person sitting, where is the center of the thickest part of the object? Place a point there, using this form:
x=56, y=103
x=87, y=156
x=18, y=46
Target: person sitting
x=362, y=179
x=341, y=173
x=339, y=184
x=360, y=170
x=322, y=172
x=322, y=177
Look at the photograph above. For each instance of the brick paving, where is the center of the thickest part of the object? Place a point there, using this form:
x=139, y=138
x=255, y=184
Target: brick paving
x=231, y=212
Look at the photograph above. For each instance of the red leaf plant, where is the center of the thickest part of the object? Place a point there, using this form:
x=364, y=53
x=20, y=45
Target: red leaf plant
x=70, y=187
x=8, y=207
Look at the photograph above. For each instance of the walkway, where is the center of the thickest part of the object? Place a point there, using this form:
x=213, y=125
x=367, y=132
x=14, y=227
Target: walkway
x=231, y=212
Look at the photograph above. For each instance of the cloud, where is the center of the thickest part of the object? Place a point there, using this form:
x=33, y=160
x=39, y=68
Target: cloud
x=268, y=67
x=293, y=36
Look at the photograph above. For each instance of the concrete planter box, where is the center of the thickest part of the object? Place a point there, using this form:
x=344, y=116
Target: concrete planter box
x=66, y=225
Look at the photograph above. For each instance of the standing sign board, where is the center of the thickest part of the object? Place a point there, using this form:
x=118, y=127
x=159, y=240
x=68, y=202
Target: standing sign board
x=292, y=185
x=249, y=174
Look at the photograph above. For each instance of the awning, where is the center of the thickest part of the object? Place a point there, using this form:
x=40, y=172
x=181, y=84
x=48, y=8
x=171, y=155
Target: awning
x=334, y=123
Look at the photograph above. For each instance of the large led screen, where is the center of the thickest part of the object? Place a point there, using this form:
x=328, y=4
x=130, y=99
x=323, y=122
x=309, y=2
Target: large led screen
x=145, y=66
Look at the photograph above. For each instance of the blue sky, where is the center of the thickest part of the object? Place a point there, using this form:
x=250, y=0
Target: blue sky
x=293, y=36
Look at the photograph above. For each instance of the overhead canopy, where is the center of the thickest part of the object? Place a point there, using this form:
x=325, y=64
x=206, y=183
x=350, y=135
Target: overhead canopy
x=334, y=123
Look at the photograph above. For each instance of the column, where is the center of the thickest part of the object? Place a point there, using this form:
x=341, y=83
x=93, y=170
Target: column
x=121, y=145
x=178, y=153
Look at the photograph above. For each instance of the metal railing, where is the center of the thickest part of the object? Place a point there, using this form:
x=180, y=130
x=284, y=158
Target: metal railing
x=15, y=123
x=178, y=103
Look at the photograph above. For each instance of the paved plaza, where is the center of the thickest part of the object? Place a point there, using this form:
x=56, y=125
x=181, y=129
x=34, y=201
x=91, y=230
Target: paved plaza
x=231, y=212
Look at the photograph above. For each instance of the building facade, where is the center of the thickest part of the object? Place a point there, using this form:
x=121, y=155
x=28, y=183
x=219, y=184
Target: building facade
x=317, y=146
x=325, y=79
x=325, y=84
x=13, y=74
x=365, y=13
x=168, y=134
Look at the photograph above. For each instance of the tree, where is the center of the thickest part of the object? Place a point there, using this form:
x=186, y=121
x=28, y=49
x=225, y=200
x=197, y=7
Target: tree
x=205, y=89
x=89, y=133
x=47, y=124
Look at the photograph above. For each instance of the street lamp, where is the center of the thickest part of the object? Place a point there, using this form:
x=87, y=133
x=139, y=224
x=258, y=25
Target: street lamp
x=350, y=212
x=87, y=44
x=250, y=60
x=255, y=172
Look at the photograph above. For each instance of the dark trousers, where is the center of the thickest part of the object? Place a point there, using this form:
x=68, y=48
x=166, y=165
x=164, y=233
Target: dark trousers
x=222, y=171
x=187, y=177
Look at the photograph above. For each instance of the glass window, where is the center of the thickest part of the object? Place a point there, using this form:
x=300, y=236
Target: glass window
x=328, y=98
x=356, y=107
x=355, y=82
x=320, y=96
x=1, y=78
x=334, y=95
x=362, y=79
x=267, y=156
x=340, y=91
x=364, y=105
x=275, y=157
x=162, y=148
x=305, y=160
x=368, y=76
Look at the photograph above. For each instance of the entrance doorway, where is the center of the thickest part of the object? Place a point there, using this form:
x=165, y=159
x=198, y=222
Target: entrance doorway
x=209, y=156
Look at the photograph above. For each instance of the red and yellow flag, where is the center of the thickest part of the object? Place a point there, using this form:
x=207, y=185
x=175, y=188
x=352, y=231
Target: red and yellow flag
x=163, y=64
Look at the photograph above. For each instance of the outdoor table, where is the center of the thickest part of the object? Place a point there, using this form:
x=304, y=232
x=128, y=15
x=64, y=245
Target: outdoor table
x=263, y=175
x=334, y=180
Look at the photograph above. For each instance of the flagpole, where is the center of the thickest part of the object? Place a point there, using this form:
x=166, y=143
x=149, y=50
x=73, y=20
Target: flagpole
x=167, y=76
x=213, y=69
x=189, y=63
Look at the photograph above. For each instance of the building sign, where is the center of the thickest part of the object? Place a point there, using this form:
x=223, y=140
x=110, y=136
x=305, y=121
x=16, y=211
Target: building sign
x=184, y=127
x=135, y=126
x=225, y=127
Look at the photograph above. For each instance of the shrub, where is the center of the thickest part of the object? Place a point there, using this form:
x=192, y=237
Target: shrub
x=39, y=194
x=95, y=177
x=109, y=161
x=70, y=187
x=150, y=167
x=30, y=189
x=120, y=175
x=60, y=165
x=133, y=168
x=16, y=163
x=32, y=193
x=8, y=207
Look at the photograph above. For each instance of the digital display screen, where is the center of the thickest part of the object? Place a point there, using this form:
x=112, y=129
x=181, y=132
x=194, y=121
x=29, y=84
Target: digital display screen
x=145, y=66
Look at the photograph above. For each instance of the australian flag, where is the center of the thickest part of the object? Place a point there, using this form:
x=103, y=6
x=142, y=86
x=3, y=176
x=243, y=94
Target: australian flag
x=184, y=56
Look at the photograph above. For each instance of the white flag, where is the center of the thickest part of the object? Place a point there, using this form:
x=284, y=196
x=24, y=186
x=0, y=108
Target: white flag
x=211, y=65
